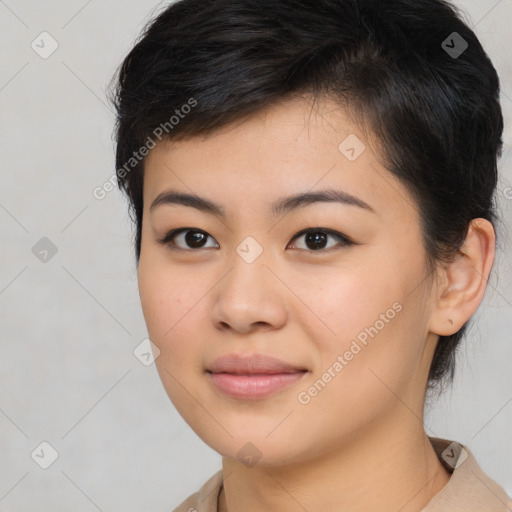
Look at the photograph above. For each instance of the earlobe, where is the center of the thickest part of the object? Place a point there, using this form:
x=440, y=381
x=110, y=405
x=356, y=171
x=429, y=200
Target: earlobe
x=465, y=280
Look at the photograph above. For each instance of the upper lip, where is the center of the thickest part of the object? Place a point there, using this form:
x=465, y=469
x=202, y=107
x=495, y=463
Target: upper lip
x=255, y=364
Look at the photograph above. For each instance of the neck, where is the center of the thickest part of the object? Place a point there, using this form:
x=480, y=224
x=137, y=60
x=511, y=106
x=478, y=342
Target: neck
x=392, y=467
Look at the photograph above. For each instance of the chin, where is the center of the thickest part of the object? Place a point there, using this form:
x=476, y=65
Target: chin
x=252, y=449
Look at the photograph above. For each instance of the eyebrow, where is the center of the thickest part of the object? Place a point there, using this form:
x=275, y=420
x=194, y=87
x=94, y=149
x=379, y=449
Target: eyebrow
x=282, y=206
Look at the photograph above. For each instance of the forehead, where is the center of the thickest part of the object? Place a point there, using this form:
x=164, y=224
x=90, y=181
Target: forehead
x=294, y=146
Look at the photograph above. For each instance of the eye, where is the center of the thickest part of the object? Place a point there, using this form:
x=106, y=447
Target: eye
x=315, y=239
x=195, y=238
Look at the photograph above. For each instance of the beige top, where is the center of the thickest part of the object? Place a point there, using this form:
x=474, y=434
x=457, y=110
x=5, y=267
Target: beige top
x=468, y=490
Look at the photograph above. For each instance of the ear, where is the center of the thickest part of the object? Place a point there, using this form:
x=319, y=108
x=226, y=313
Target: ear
x=462, y=282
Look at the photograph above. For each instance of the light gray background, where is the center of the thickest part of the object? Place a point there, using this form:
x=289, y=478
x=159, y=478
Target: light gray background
x=69, y=325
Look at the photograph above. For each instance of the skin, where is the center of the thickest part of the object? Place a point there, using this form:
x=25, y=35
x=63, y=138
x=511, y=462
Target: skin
x=360, y=443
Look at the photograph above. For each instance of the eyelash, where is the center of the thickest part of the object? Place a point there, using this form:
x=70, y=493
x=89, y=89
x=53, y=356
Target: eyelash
x=345, y=241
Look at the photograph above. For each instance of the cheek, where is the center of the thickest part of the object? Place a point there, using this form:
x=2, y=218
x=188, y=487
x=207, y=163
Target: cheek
x=372, y=352
x=169, y=304
x=367, y=316
x=345, y=301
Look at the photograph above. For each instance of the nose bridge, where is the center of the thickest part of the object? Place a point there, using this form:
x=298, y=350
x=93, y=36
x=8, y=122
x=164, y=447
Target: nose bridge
x=249, y=292
x=249, y=266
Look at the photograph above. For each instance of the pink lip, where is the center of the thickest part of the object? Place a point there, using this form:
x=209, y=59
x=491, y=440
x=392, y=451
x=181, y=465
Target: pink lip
x=252, y=377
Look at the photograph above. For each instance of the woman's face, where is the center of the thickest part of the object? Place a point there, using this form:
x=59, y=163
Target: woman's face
x=350, y=318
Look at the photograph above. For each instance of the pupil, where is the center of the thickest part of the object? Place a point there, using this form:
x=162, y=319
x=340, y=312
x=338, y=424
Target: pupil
x=315, y=238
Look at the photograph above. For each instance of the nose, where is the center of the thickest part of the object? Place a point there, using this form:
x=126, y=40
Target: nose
x=250, y=296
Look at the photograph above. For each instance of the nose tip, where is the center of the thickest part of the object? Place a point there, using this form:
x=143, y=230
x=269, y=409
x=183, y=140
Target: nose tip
x=246, y=299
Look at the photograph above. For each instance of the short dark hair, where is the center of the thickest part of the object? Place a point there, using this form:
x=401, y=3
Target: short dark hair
x=414, y=71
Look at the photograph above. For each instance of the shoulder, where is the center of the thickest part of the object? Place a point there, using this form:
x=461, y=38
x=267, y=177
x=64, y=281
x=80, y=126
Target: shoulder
x=469, y=488
x=204, y=500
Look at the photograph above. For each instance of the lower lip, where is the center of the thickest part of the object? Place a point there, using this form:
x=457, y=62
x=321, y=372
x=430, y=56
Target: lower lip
x=252, y=387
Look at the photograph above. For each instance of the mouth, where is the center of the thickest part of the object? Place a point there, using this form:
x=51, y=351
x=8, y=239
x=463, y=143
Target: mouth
x=252, y=377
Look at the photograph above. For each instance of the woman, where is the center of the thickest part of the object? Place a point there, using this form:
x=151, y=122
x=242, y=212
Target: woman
x=312, y=186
